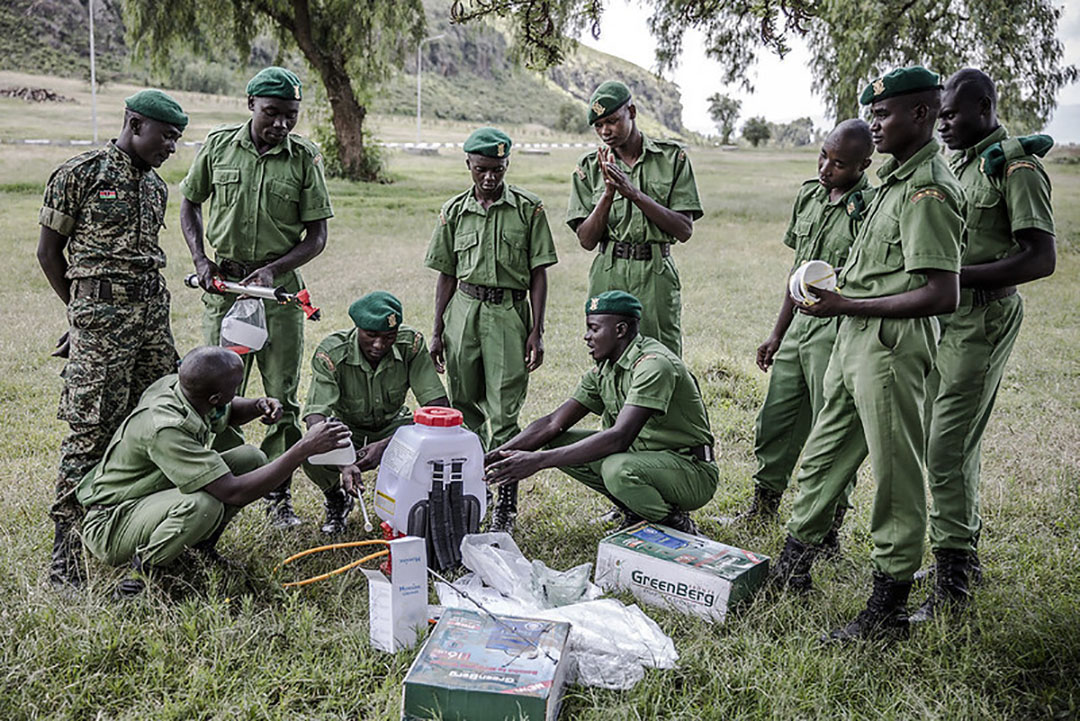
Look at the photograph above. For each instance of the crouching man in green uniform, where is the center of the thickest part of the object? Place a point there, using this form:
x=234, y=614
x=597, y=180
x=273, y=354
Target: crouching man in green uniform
x=360, y=377
x=492, y=246
x=654, y=456
x=632, y=199
x=267, y=217
x=1010, y=240
x=903, y=268
x=824, y=221
x=160, y=488
x=103, y=209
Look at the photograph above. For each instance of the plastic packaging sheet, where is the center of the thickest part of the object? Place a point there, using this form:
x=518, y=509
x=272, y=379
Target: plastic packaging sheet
x=610, y=644
x=244, y=326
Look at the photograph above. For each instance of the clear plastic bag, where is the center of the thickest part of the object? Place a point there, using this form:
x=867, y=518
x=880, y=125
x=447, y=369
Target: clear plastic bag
x=243, y=328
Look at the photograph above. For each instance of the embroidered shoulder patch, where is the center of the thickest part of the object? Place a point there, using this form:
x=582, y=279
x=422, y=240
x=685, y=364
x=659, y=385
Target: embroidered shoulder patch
x=928, y=193
x=418, y=338
x=538, y=209
x=442, y=218
x=580, y=172
x=325, y=358
x=1018, y=165
x=645, y=357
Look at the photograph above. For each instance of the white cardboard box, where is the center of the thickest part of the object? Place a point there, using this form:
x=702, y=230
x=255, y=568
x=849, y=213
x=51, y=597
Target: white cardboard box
x=667, y=568
x=398, y=605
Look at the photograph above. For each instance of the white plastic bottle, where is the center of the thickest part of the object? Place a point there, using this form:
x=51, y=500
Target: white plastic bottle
x=341, y=456
x=436, y=447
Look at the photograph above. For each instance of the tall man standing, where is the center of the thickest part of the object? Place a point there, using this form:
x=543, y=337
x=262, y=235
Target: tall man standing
x=105, y=208
x=903, y=268
x=824, y=221
x=633, y=199
x=267, y=217
x=492, y=246
x=1010, y=240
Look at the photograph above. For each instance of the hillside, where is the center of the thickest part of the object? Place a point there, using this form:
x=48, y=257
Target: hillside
x=469, y=75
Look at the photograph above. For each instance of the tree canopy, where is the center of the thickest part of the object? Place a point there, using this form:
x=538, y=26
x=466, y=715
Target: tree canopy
x=724, y=111
x=851, y=41
x=756, y=131
x=350, y=46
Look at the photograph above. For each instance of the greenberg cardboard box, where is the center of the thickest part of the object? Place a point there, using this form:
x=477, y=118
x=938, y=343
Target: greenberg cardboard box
x=474, y=668
x=668, y=568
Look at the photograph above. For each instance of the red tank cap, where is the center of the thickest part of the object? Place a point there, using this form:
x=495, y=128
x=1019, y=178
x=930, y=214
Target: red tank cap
x=438, y=417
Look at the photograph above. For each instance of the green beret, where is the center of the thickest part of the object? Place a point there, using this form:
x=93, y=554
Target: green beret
x=992, y=160
x=376, y=311
x=613, y=302
x=606, y=99
x=157, y=105
x=491, y=142
x=901, y=81
x=275, y=82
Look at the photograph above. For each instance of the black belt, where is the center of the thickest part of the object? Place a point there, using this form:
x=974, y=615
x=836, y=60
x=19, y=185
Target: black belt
x=100, y=507
x=702, y=453
x=133, y=291
x=488, y=294
x=634, y=251
x=983, y=296
x=241, y=269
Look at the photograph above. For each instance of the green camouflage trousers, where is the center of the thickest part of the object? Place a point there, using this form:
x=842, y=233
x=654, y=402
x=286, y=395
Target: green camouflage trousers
x=117, y=350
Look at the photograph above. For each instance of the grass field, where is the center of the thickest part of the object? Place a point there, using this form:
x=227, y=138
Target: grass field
x=243, y=648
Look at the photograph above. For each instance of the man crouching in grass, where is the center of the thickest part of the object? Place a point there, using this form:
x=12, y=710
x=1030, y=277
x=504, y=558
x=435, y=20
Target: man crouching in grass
x=160, y=489
x=654, y=456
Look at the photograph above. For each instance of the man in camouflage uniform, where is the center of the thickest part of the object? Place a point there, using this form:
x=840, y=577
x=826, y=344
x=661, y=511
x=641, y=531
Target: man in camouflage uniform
x=267, y=217
x=105, y=208
x=1010, y=240
x=361, y=377
x=632, y=199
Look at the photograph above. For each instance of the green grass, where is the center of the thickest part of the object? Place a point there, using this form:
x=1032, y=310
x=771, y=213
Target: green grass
x=233, y=648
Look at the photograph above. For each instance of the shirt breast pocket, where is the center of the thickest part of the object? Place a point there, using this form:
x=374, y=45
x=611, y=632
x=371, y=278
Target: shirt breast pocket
x=659, y=191
x=985, y=209
x=885, y=231
x=514, y=249
x=467, y=251
x=226, y=183
x=803, y=251
x=283, y=201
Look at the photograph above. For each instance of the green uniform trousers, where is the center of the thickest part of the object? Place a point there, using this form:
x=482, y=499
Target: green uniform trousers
x=160, y=526
x=279, y=363
x=974, y=348
x=484, y=343
x=328, y=478
x=117, y=350
x=874, y=390
x=652, y=484
x=794, y=398
x=654, y=282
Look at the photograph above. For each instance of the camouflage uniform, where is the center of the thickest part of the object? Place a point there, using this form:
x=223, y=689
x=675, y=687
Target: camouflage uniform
x=121, y=341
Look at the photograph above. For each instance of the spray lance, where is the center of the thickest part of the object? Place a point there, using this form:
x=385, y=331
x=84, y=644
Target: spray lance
x=302, y=298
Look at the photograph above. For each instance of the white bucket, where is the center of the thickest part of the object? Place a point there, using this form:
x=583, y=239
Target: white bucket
x=811, y=274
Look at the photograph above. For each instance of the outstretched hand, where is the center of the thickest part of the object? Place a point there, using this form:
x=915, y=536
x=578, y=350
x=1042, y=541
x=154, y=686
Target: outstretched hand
x=511, y=466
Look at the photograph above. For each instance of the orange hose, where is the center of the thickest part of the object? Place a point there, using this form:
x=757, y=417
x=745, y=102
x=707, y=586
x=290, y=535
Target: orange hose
x=343, y=569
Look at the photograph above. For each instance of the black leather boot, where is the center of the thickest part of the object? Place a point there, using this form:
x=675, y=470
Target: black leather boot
x=135, y=583
x=975, y=574
x=764, y=506
x=505, y=512
x=279, y=507
x=681, y=521
x=951, y=592
x=65, y=571
x=885, y=615
x=830, y=545
x=338, y=505
x=792, y=569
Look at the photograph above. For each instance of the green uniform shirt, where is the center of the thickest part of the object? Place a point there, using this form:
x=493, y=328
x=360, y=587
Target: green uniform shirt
x=110, y=211
x=651, y=376
x=163, y=444
x=258, y=203
x=821, y=229
x=914, y=223
x=344, y=385
x=497, y=247
x=663, y=171
x=998, y=207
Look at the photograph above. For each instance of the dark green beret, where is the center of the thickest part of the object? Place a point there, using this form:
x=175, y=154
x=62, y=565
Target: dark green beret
x=992, y=160
x=377, y=311
x=157, y=105
x=606, y=99
x=901, y=81
x=613, y=302
x=491, y=142
x=275, y=82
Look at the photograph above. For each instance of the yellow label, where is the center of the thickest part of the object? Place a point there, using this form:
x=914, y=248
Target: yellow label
x=385, y=502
